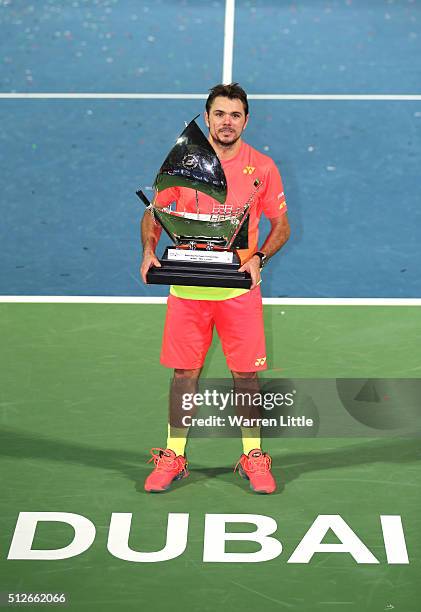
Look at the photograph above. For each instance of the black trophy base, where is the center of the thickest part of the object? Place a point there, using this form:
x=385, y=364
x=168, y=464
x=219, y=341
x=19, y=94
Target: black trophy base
x=199, y=274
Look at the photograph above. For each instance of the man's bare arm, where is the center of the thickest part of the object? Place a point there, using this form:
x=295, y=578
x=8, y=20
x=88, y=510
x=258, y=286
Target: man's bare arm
x=277, y=237
x=150, y=234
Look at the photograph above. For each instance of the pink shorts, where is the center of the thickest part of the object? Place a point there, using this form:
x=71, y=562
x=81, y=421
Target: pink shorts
x=239, y=324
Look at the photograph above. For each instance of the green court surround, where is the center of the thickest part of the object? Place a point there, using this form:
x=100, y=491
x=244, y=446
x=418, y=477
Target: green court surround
x=83, y=399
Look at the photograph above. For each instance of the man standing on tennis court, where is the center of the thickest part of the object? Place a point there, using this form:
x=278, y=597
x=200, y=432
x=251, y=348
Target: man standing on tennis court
x=237, y=314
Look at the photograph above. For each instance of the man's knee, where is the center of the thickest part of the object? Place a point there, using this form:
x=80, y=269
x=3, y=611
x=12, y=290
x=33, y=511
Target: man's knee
x=244, y=375
x=191, y=374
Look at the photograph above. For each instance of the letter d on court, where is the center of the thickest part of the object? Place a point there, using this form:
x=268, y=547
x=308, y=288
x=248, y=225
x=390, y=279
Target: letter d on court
x=23, y=537
x=216, y=536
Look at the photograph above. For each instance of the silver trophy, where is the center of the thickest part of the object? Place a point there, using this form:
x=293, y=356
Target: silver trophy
x=205, y=245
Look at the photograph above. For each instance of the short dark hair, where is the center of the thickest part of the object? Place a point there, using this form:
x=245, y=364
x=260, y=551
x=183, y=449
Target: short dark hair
x=231, y=91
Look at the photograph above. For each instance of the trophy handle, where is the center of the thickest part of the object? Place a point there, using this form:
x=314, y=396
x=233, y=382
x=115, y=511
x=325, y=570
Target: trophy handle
x=257, y=184
x=149, y=206
x=240, y=225
x=144, y=199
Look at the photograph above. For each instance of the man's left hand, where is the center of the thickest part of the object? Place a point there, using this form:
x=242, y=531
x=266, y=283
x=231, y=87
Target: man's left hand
x=252, y=266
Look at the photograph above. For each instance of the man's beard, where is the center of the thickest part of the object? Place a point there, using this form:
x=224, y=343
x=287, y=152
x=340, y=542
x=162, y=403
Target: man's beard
x=226, y=143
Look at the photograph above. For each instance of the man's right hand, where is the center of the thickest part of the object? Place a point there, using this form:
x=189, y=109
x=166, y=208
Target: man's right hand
x=149, y=260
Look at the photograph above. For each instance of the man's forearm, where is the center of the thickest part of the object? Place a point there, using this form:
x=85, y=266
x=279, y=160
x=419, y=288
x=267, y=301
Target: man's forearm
x=277, y=237
x=150, y=232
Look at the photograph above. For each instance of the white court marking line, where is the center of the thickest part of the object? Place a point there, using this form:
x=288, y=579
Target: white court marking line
x=94, y=299
x=203, y=96
x=338, y=97
x=228, y=42
x=102, y=96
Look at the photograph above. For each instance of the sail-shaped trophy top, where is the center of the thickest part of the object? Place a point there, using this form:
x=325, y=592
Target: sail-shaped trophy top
x=193, y=163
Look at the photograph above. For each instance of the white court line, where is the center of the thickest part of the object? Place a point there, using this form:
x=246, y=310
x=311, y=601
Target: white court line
x=203, y=96
x=102, y=96
x=228, y=42
x=94, y=299
x=338, y=97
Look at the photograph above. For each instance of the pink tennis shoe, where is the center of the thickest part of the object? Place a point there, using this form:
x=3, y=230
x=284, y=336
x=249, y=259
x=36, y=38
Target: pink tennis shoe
x=168, y=468
x=255, y=467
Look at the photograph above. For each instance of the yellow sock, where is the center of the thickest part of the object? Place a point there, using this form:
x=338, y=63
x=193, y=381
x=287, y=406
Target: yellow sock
x=177, y=439
x=251, y=438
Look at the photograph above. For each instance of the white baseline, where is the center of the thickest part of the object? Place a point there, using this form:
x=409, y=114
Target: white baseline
x=203, y=96
x=94, y=299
